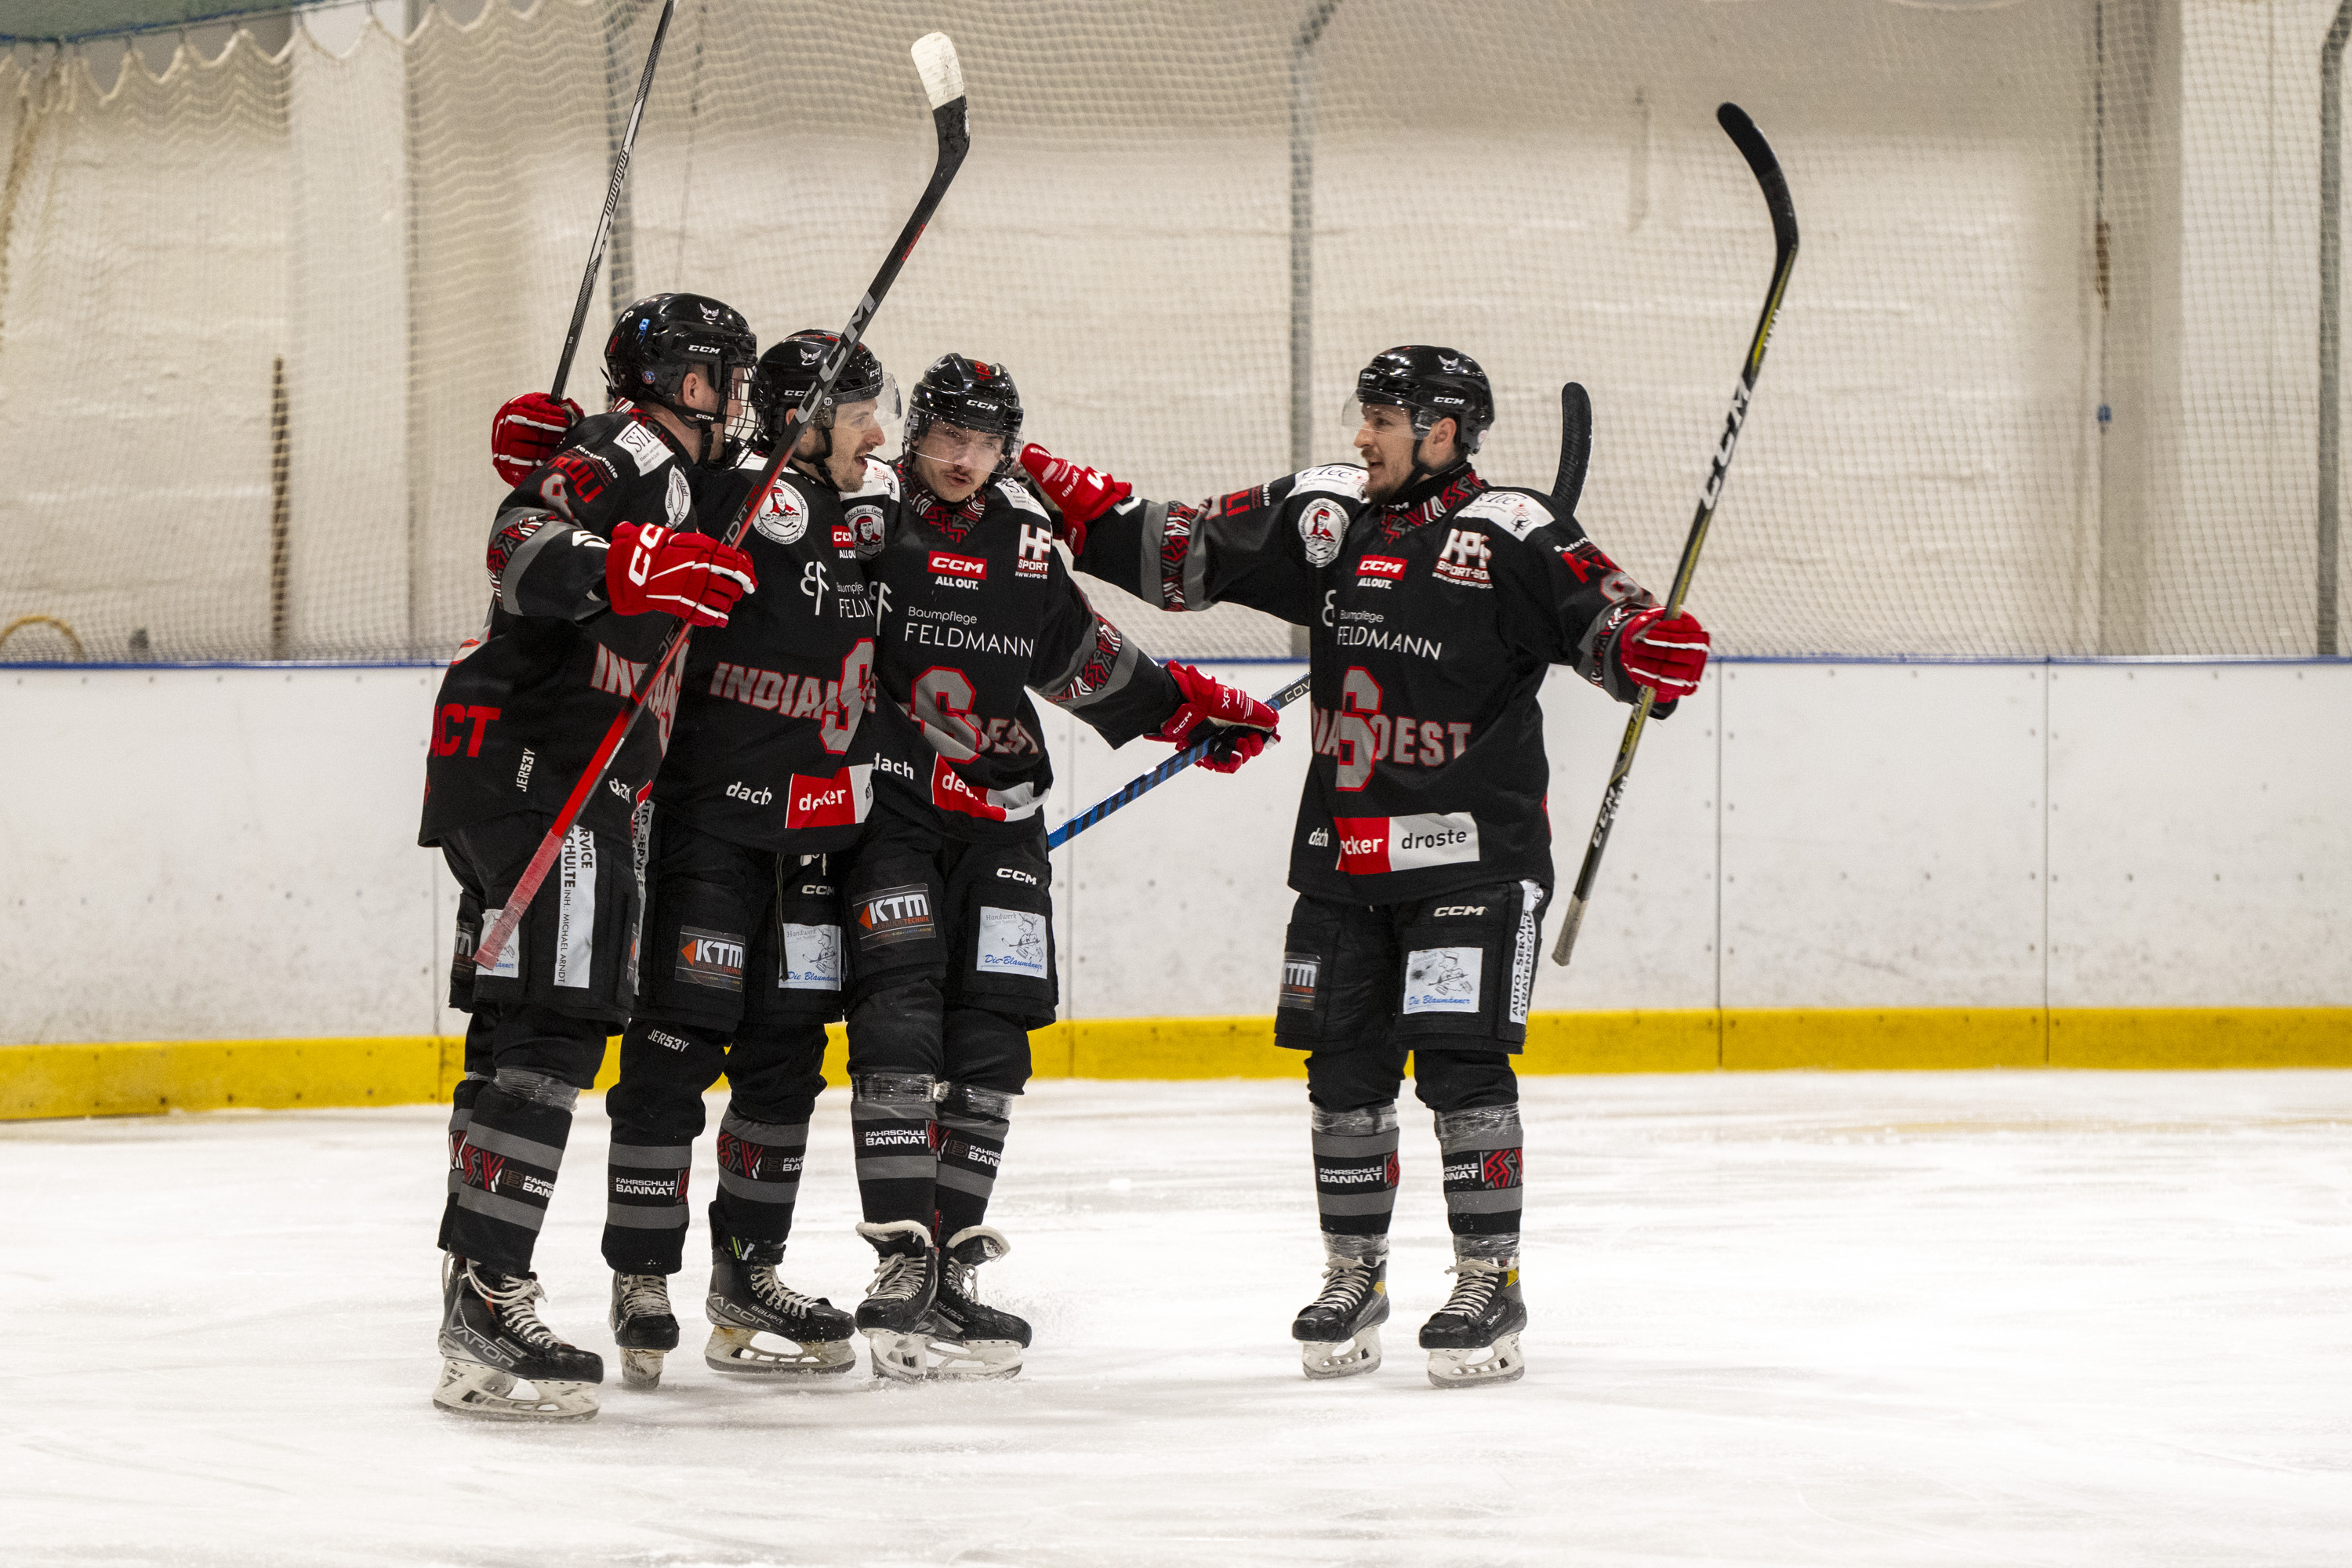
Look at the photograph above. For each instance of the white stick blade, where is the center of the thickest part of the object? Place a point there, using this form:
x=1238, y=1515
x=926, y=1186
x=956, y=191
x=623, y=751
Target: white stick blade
x=942, y=73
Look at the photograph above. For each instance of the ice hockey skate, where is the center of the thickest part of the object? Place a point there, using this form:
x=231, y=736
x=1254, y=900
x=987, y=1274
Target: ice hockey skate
x=492, y=1339
x=644, y=1328
x=897, y=1305
x=747, y=1300
x=967, y=1338
x=1474, y=1338
x=1339, y=1332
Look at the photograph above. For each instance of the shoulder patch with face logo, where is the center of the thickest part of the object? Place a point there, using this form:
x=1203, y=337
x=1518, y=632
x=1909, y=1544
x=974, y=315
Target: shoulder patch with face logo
x=784, y=515
x=1321, y=527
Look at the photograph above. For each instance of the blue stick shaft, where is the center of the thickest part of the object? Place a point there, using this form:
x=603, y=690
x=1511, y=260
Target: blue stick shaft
x=1135, y=788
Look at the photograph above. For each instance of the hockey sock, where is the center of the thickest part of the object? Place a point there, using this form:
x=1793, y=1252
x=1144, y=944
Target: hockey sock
x=891, y=1130
x=1356, y=1177
x=461, y=1116
x=972, y=1125
x=1481, y=1152
x=644, y=1205
x=507, y=1166
x=759, y=1177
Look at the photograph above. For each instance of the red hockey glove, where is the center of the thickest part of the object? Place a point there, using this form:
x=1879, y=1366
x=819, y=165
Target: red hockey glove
x=1083, y=494
x=526, y=433
x=692, y=575
x=1665, y=655
x=1240, y=724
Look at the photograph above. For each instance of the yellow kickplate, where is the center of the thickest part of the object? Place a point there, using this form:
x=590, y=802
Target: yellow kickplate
x=1868, y=1038
x=149, y=1077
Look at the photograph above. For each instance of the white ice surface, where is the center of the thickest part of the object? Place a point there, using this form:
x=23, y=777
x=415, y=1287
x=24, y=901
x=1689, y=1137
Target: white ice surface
x=1937, y=1319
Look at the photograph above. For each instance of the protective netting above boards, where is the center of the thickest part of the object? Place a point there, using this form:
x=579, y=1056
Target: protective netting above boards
x=2047, y=382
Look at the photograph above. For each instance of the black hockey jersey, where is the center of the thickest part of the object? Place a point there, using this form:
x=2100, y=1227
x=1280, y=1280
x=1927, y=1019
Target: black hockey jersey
x=529, y=697
x=767, y=751
x=1431, y=620
x=979, y=610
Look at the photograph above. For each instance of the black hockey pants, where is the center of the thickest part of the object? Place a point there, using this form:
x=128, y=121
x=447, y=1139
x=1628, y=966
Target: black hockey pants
x=952, y=966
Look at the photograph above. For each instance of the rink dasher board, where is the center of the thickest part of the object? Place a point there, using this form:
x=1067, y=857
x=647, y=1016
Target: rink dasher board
x=152, y=1078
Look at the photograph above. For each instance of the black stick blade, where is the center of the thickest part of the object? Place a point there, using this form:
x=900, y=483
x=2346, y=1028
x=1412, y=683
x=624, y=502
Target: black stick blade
x=1575, y=448
x=1767, y=170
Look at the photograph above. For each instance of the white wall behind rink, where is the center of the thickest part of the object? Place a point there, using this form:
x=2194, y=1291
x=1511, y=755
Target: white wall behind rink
x=230, y=853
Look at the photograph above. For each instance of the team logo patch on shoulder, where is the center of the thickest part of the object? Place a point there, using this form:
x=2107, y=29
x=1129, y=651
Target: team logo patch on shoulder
x=680, y=501
x=784, y=515
x=1330, y=478
x=1320, y=527
x=866, y=526
x=645, y=448
x=1018, y=494
x=1516, y=514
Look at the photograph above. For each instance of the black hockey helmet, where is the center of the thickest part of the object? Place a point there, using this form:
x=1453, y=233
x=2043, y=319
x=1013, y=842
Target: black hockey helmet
x=971, y=395
x=790, y=368
x=661, y=337
x=1431, y=384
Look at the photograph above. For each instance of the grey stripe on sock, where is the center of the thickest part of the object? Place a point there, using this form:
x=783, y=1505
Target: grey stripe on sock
x=964, y=1181
x=652, y=1156
x=979, y=1124
x=1348, y=1145
x=546, y=1156
x=758, y=1191
x=1510, y=1199
x=628, y=1216
x=896, y=1167
x=1355, y=1203
x=767, y=1134
x=892, y=1109
x=492, y=1206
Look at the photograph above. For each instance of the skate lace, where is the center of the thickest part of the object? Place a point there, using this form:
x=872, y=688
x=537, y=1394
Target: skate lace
x=962, y=1278
x=898, y=1277
x=776, y=1293
x=512, y=1303
x=1475, y=1280
x=645, y=1296
x=1346, y=1280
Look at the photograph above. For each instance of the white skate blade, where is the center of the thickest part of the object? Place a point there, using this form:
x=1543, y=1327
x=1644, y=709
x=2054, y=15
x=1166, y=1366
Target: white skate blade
x=641, y=1369
x=898, y=1357
x=969, y=1359
x=1498, y=1363
x=486, y=1393
x=1322, y=1359
x=734, y=1349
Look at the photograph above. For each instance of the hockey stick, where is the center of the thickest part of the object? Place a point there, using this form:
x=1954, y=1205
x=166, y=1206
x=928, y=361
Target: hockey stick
x=1142, y=784
x=612, y=202
x=935, y=60
x=1575, y=448
x=1766, y=169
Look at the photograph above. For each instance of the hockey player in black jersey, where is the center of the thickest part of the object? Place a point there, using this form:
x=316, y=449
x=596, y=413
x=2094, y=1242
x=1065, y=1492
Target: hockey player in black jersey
x=950, y=895
x=1422, y=856
x=591, y=560
x=767, y=775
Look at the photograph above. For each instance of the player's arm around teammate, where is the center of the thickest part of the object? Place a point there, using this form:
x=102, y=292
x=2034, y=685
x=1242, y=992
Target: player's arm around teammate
x=951, y=897
x=591, y=562
x=1435, y=604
